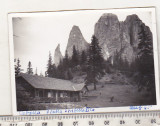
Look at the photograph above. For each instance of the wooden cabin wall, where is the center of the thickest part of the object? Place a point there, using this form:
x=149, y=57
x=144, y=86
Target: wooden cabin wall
x=56, y=95
x=20, y=82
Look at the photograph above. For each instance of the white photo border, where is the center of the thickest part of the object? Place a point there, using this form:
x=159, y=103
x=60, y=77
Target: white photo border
x=96, y=110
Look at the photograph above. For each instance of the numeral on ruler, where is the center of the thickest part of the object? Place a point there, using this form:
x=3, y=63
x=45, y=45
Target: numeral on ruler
x=106, y=122
x=13, y=124
x=153, y=121
x=60, y=123
x=75, y=123
x=137, y=122
x=91, y=123
x=122, y=122
x=44, y=124
x=28, y=124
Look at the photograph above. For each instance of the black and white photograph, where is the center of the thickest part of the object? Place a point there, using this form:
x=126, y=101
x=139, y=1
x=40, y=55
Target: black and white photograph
x=84, y=58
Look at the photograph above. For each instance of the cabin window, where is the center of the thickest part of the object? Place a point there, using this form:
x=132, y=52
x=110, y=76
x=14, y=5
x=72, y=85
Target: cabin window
x=58, y=93
x=45, y=93
x=41, y=93
x=61, y=94
x=53, y=94
x=65, y=94
x=49, y=94
x=37, y=93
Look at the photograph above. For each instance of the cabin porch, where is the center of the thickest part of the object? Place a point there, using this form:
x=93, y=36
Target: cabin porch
x=57, y=96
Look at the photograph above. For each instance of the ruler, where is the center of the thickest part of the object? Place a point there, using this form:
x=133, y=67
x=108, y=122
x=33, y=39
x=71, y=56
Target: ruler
x=102, y=119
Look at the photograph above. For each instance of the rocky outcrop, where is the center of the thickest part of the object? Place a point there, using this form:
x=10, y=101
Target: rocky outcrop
x=118, y=36
x=57, y=55
x=76, y=39
x=107, y=31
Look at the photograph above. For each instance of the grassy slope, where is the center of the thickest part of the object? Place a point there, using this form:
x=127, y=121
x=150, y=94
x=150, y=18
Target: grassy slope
x=118, y=87
x=123, y=95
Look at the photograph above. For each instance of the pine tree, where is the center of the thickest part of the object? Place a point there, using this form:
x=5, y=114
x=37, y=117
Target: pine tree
x=125, y=64
x=120, y=63
x=66, y=60
x=133, y=66
x=95, y=62
x=60, y=70
x=75, y=56
x=54, y=71
x=146, y=51
x=83, y=58
x=83, y=61
x=29, y=69
x=17, y=68
x=49, y=66
x=145, y=59
x=70, y=75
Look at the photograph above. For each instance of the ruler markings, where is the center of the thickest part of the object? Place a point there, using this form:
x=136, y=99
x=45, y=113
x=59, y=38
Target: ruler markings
x=108, y=119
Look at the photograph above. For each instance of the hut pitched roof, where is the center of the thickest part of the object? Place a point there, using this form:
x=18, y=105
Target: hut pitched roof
x=51, y=83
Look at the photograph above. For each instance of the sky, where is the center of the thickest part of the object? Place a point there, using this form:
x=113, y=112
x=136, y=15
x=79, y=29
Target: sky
x=35, y=34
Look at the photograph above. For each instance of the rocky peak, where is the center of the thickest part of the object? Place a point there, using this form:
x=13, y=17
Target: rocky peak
x=57, y=55
x=76, y=39
x=107, y=31
x=133, y=23
x=58, y=47
x=114, y=35
x=108, y=19
x=132, y=18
